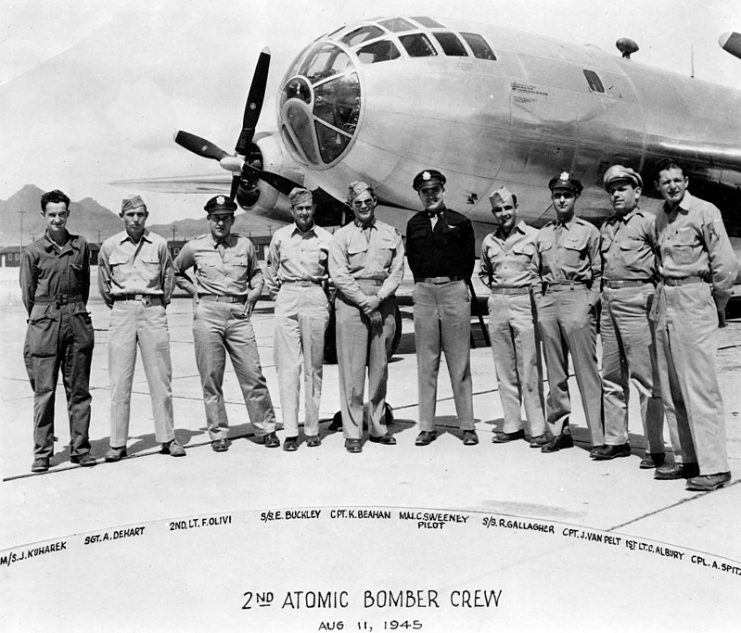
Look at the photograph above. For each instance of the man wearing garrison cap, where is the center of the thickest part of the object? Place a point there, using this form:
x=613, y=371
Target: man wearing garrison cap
x=628, y=246
x=366, y=262
x=135, y=279
x=227, y=281
x=508, y=269
x=441, y=254
x=570, y=270
x=296, y=277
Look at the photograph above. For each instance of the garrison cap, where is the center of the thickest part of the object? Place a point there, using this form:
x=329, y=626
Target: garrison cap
x=132, y=202
x=500, y=196
x=298, y=195
x=220, y=204
x=428, y=176
x=356, y=188
x=565, y=181
x=618, y=172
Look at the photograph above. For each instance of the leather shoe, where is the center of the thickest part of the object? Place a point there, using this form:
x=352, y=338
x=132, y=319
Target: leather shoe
x=387, y=439
x=313, y=441
x=706, y=483
x=425, y=437
x=651, y=460
x=172, y=448
x=40, y=465
x=271, y=440
x=86, y=459
x=500, y=437
x=221, y=446
x=353, y=446
x=113, y=454
x=563, y=440
x=470, y=438
x=610, y=451
x=290, y=444
x=677, y=471
x=539, y=440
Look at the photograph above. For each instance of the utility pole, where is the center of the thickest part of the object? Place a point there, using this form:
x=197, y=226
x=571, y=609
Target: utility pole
x=20, y=247
x=98, y=236
x=173, y=232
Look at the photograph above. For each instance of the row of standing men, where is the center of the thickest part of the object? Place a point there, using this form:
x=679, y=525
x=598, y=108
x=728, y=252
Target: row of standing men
x=545, y=286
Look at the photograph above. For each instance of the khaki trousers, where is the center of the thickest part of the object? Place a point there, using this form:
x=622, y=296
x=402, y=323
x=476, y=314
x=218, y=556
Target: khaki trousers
x=301, y=317
x=442, y=323
x=517, y=362
x=629, y=354
x=134, y=324
x=687, y=341
x=359, y=347
x=218, y=329
x=568, y=325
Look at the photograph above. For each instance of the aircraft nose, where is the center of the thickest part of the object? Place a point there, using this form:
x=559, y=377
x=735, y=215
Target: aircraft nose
x=320, y=104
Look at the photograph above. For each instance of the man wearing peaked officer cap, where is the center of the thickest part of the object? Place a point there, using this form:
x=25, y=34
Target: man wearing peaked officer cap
x=296, y=276
x=508, y=269
x=441, y=254
x=628, y=248
x=570, y=271
x=135, y=279
x=227, y=282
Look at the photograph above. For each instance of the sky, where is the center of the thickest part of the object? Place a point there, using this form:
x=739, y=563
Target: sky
x=92, y=92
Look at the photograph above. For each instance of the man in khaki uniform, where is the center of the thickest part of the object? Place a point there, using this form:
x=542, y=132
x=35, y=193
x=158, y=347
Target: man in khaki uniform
x=135, y=279
x=366, y=262
x=441, y=252
x=508, y=270
x=570, y=269
x=296, y=276
x=697, y=269
x=628, y=246
x=227, y=283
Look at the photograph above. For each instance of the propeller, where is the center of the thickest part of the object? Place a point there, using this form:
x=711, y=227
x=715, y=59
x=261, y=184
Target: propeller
x=237, y=163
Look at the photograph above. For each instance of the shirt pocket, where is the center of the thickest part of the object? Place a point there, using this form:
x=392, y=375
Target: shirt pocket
x=357, y=255
x=573, y=249
x=120, y=268
x=237, y=265
x=631, y=252
x=683, y=248
x=384, y=252
x=151, y=264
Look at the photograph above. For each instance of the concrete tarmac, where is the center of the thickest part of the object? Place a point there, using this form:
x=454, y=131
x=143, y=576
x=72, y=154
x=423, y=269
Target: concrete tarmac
x=438, y=538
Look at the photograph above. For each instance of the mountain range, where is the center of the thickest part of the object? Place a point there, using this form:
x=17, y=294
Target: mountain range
x=95, y=222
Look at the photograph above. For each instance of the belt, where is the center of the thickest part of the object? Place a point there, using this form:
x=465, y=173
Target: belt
x=149, y=300
x=683, y=281
x=60, y=300
x=224, y=298
x=373, y=282
x=510, y=290
x=436, y=280
x=301, y=282
x=625, y=283
x=565, y=285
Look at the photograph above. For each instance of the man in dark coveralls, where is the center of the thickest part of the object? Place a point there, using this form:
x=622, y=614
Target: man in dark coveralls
x=55, y=282
x=441, y=254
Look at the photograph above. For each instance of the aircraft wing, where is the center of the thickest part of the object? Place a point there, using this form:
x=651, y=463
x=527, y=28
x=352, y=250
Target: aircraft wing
x=212, y=183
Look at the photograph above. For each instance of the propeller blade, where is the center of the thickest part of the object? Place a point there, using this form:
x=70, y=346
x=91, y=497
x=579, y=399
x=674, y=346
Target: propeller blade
x=199, y=145
x=235, y=187
x=281, y=183
x=254, y=102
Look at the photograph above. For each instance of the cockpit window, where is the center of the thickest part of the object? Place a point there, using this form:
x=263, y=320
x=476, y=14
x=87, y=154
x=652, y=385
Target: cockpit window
x=450, y=43
x=595, y=83
x=417, y=45
x=478, y=45
x=397, y=25
x=380, y=51
x=327, y=61
x=428, y=22
x=297, y=88
x=363, y=34
x=338, y=102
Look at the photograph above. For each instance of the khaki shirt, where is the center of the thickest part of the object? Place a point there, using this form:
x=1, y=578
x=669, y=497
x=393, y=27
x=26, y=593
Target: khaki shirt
x=49, y=271
x=628, y=247
x=373, y=253
x=569, y=252
x=125, y=267
x=235, y=272
x=509, y=261
x=297, y=256
x=693, y=241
